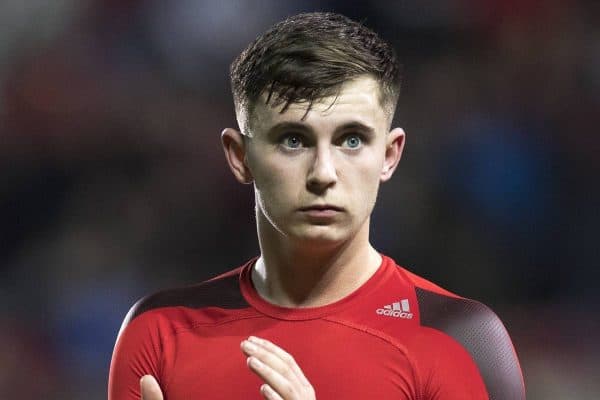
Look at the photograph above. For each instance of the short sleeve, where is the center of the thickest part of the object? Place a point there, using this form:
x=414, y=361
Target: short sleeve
x=484, y=341
x=137, y=352
x=447, y=370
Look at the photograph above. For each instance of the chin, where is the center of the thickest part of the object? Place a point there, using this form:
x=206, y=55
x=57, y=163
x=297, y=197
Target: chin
x=321, y=236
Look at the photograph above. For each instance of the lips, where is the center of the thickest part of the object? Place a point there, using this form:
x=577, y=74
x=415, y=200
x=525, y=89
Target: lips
x=321, y=207
x=321, y=213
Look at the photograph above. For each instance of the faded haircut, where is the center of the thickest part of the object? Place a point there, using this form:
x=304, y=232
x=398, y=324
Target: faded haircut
x=307, y=57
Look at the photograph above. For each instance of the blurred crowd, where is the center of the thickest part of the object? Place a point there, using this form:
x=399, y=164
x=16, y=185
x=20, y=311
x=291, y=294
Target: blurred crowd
x=114, y=184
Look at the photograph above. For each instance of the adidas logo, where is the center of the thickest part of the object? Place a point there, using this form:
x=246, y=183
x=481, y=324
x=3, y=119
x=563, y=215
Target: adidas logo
x=399, y=309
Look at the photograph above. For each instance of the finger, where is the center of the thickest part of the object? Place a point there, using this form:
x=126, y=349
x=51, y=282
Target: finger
x=150, y=389
x=283, y=355
x=277, y=382
x=271, y=359
x=268, y=393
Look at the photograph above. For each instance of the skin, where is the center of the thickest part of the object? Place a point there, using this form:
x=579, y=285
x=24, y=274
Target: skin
x=308, y=262
x=337, y=155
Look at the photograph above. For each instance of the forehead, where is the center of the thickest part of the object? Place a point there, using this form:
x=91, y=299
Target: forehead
x=359, y=100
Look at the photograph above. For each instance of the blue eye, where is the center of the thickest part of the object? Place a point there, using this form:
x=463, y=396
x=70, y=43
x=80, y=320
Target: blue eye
x=353, y=141
x=292, y=141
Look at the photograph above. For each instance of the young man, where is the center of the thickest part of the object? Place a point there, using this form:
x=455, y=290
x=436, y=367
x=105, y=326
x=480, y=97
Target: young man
x=320, y=313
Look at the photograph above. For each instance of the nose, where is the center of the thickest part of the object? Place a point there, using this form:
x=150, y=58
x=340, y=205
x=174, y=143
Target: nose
x=322, y=173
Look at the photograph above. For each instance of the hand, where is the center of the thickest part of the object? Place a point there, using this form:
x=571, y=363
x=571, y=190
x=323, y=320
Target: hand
x=150, y=389
x=284, y=380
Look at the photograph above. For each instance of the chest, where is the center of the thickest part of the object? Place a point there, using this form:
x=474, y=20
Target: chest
x=339, y=361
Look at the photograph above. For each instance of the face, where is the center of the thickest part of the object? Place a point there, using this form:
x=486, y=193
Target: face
x=316, y=179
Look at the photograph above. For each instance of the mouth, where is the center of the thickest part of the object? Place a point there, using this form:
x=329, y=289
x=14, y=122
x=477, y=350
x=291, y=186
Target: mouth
x=322, y=213
x=322, y=207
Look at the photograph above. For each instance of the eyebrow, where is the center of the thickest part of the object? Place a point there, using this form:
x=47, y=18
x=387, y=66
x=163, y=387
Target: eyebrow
x=357, y=126
x=298, y=126
x=288, y=125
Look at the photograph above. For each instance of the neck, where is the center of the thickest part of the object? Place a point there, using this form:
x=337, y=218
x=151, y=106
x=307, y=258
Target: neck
x=292, y=273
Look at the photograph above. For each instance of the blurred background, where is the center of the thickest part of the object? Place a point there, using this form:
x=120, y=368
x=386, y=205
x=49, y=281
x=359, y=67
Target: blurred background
x=113, y=183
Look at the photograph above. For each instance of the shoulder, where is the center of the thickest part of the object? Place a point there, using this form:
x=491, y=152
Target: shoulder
x=474, y=327
x=420, y=282
x=222, y=292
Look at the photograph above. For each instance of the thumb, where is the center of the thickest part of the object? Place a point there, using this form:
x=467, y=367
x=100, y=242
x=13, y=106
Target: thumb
x=150, y=389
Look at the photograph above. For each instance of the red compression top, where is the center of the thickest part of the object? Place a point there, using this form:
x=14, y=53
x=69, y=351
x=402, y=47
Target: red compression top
x=396, y=337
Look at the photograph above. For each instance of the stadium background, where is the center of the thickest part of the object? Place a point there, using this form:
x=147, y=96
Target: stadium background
x=113, y=183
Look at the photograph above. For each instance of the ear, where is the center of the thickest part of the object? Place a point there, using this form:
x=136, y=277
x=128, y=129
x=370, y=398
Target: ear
x=235, y=153
x=393, y=153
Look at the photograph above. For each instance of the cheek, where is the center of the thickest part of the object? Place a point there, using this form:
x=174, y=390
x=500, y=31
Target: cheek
x=276, y=184
x=367, y=183
x=368, y=190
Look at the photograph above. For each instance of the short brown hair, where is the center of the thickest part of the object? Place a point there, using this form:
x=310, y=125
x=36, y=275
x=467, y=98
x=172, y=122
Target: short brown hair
x=307, y=57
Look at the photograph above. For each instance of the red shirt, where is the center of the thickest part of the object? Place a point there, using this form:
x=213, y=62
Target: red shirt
x=396, y=337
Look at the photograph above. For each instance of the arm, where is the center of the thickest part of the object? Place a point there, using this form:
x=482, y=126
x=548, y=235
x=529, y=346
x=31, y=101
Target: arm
x=136, y=353
x=472, y=347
